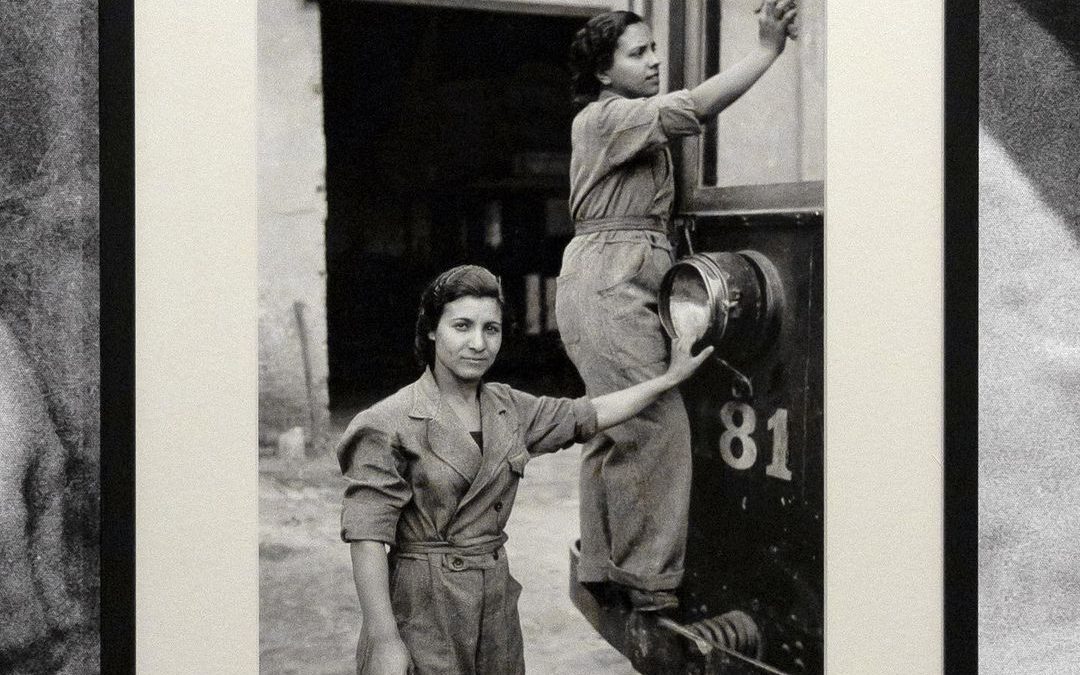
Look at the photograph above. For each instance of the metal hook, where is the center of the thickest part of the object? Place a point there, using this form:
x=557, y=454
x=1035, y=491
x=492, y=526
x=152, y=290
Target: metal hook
x=689, y=242
x=686, y=224
x=741, y=385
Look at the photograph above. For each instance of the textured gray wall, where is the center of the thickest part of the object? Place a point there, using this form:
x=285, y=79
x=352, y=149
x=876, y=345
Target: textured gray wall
x=49, y=312
x=292, y=215
x=1029, y=337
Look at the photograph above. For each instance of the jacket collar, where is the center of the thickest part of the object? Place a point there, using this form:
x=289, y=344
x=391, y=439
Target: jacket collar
x=427, y=401
x=499, y=432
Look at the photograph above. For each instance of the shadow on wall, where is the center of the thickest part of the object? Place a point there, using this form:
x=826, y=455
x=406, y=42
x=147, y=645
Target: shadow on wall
x=1029, y=81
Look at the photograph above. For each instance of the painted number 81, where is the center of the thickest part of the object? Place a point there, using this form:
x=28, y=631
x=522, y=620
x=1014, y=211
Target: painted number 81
x=741, y=431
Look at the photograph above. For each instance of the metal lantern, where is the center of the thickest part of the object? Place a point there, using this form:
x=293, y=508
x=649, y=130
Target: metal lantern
x=731, y=300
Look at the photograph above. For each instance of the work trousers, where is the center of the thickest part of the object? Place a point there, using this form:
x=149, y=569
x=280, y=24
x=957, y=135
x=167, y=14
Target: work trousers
x=456, y=612
x=635, y=477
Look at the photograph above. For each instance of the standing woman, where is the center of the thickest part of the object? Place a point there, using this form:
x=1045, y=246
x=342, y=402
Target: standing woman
x=433, y=471
x=635, y=478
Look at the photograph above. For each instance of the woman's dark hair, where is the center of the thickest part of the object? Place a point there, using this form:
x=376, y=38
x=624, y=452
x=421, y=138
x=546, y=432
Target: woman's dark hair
x=592, y=50
x=452, y=284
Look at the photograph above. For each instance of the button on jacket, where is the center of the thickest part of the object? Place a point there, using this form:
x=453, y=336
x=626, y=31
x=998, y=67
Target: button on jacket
x=418, y=482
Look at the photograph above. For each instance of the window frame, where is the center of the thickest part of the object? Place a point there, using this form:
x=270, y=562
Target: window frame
x=687, y=69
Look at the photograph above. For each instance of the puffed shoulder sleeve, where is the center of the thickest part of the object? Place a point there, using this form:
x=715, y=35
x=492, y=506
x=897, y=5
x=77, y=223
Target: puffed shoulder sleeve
x=633, y=125
x=371, y=462
x=551, y=424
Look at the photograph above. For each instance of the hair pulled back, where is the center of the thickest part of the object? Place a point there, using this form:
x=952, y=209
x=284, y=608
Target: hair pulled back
x=592, y=50
x=454, y=283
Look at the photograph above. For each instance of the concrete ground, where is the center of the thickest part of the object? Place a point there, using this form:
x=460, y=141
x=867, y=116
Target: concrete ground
x=309, y=616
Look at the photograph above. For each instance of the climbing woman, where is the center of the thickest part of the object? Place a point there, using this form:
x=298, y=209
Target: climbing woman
x=635, y=477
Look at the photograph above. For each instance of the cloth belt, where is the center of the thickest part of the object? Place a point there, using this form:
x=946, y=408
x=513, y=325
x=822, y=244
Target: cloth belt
x=455, y=558
x=653, y=223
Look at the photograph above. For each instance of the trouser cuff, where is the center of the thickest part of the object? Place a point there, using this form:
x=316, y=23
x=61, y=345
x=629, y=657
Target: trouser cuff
x=592, y=574
x=653, y=582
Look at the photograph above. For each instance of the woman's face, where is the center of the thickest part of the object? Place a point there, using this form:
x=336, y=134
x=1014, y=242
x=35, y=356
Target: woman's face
x=635, y=69
x=467, y=338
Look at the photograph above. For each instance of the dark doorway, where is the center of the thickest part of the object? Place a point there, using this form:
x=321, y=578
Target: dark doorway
x=448, y=141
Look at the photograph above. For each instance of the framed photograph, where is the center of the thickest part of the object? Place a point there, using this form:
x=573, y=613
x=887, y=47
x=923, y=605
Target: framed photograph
x=306, y=169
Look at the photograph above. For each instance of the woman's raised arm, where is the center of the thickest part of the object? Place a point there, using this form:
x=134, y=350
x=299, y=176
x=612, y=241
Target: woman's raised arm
x=724, y=88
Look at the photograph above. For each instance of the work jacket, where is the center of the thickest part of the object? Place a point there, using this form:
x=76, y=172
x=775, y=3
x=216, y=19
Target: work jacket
x=418, y=482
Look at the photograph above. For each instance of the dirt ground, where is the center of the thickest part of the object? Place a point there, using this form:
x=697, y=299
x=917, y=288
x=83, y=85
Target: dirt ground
x=309, y=616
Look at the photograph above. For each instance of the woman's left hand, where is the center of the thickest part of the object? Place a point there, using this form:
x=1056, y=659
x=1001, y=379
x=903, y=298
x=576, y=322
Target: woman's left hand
x=683, y=363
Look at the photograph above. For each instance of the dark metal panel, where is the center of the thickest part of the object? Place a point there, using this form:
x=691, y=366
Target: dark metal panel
x=757, y=524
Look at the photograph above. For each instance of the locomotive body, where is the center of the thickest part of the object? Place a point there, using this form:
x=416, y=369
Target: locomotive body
x=754, y=566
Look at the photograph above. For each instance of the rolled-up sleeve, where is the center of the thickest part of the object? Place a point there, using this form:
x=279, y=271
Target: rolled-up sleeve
x=376, y=491
x=631, y=126
x=552, y=424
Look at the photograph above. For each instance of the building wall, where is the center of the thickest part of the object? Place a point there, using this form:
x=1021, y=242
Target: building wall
x=292, y=215
x=292, y=204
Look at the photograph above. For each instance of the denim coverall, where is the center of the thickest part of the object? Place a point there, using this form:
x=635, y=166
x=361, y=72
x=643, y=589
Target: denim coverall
x=635, y=477
x=418, y=482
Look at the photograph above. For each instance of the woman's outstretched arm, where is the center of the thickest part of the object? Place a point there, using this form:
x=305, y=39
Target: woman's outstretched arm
x=723, y=89
x=387, y=654
x=619, y=406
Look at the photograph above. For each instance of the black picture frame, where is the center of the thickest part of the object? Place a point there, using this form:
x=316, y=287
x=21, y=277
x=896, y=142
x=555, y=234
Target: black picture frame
x=116, y=96
x=961, y=276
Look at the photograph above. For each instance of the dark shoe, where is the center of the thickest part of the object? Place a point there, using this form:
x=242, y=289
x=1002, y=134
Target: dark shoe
x=652, y=601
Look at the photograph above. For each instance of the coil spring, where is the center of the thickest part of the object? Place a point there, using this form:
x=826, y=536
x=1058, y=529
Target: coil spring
x=733, y=630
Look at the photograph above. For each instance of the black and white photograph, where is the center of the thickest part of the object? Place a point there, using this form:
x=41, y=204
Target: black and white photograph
x=541, y=354
x=542, y=315
x=1028, y=212
x=49, y=339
